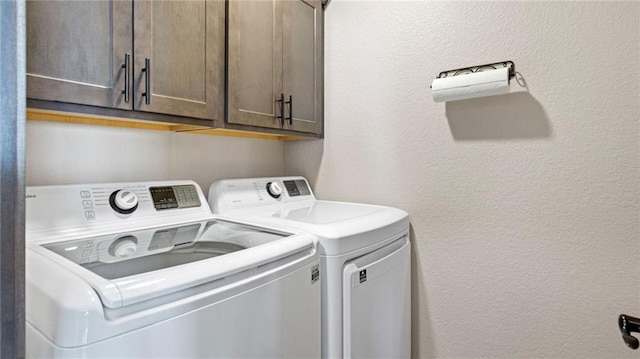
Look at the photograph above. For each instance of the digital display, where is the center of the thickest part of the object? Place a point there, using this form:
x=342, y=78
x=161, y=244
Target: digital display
x=303, y=188
x=292, y=189
x=174, y=197
x=163, y=197
x=297, y=188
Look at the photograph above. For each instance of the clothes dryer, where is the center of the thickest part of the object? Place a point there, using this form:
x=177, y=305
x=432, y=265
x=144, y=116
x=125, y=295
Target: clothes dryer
x=132, y=270
x=365, y=260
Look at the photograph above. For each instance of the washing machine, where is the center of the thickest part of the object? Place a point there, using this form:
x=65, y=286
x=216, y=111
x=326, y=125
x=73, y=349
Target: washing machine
x=133, y=270
x=365, y=260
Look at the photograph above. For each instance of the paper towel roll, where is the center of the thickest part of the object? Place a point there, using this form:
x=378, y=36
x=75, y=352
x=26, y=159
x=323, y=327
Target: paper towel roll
x=477, y=84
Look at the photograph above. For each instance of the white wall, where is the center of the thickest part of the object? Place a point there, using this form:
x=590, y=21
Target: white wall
x=524, y=207
x=67, y=153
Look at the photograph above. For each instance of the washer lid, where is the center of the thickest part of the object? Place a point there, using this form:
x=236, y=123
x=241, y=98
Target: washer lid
x=127, y=268
x=323, y=212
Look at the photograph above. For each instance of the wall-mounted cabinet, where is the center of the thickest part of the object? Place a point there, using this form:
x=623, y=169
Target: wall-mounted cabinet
x=166, y=61
x=275, y=64
x=87, y=52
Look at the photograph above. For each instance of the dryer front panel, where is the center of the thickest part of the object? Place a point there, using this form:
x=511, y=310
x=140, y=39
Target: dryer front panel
x=377, y=303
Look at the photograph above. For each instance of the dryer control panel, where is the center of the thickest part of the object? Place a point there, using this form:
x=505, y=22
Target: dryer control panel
x=250, y=192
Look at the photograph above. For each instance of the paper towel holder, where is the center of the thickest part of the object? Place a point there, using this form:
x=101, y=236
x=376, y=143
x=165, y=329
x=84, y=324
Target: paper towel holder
x=474, y=81
x=473, y=69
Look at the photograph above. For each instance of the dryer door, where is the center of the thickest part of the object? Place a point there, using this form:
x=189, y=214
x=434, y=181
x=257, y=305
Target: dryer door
x=377, y=303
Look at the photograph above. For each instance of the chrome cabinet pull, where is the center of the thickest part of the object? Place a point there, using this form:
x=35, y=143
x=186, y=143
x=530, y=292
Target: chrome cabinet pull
x=127, y=77
x=281, y=103
x=290, y=103
x=147, y=81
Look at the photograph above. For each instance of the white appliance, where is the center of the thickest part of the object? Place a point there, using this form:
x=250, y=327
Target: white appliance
x=133, y=270
x=365, y=260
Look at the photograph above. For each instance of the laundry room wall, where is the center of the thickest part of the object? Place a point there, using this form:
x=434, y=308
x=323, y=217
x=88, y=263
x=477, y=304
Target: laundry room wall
x=59, y=153
x=524, y=207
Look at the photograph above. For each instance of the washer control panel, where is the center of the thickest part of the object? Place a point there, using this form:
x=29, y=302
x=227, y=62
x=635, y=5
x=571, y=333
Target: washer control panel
x=70, y=207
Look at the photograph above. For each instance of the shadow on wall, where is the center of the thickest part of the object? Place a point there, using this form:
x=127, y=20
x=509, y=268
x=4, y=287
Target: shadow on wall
x=512, y=116
x=309, y=164
x=422, y=337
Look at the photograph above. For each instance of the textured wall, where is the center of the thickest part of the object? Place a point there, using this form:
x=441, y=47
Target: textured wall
x=65, y=153
x=524, y=207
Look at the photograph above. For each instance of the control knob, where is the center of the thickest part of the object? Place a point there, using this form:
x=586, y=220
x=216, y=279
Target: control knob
x=123, y=201
x=274, y=189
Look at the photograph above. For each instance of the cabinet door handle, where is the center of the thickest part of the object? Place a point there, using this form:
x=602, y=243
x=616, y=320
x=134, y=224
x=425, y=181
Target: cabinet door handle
x=628, y=325
x=127, y=77
x=281, y=103
x=147, y=81
x=290, y=103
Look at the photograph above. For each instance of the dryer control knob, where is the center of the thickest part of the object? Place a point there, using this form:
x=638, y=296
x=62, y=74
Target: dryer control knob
x=123, y=201
x=274, y=189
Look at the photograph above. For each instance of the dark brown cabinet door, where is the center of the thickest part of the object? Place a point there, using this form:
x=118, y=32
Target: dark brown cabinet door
x=76, y=49
x=303, y=65
x=254, y=63
x=179, y=57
